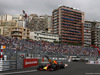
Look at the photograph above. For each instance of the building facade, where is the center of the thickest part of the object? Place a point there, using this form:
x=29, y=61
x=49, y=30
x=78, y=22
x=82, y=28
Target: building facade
x=87, y=33
x=6, y=24
x=1, y=30
x=6, y=17
x=94, y=29
x=7, y=21
x=36, y=23
x=19, y=19
x=19, y=32
x=41, y=35
x=48, y=20
x=68, y=24
x=95, y=33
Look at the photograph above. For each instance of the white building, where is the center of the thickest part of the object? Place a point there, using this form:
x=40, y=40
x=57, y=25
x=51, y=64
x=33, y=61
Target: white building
x=6, y=17
x=1, y=30
x=0, y=18
x=21, y=23
x=87, y=33
x=41, y=35
x=96, y=34
x=17, y=17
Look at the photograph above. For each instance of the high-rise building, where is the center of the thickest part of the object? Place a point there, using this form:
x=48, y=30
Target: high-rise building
x=48, y=20
x=95, y=33
x=36, y=23
x=68, y=24
x=87, y=33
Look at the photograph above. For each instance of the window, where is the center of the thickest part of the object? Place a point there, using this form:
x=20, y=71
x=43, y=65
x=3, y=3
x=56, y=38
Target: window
x=35, y=37
x=35, y=21
x=0, y=31
x=27, y=33
x=24, y=29
x=23, y=33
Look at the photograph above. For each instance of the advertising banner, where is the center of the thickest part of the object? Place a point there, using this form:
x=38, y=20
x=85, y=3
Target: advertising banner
x=30, y=62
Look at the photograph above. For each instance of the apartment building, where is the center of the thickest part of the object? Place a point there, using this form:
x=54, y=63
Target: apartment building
x=6, y=24
x=36, y=24
x=19, y=19
x=42, y=35
x=1, y=30
x=68, y=24
x=43, y=22
x=19, y=32
x=48, y=22
x=87, y=33
x=95, y=33
x=6, y=17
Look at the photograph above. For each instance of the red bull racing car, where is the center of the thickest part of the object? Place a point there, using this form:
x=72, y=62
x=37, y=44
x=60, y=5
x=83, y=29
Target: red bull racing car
x=51, y=66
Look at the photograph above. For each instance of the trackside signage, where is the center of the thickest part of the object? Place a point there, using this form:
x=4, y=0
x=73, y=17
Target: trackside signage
x=30, y=62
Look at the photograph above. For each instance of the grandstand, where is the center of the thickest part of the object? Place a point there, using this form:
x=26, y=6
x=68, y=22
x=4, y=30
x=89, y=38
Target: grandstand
x=41, y=47
x=17, y=50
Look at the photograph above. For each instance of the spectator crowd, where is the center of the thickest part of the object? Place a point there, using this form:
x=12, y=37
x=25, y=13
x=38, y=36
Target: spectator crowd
x=14, y=44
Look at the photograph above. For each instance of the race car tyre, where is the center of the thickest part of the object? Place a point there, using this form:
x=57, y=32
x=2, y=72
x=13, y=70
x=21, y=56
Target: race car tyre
x=62, y=66
x=54, y=67
x=40, y=67
x=49, y=68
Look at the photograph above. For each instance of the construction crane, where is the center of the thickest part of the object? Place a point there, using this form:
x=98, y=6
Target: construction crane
x=25, y=18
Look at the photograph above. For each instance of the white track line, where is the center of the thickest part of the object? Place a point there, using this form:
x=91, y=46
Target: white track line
x=92, y=73
x=18, y=72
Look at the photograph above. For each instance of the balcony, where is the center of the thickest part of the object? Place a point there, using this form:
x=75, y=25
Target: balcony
x=16, y=30
x=16, y=34
x=72, y=38
x=71, y=35
x=72, y=21
x=79, y=15
x=71, y=29
x=72, y=18
x=70, y=32
x=70, y=41
x=70, y=26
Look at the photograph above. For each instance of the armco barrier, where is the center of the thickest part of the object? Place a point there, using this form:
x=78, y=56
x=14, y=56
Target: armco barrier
x=12, y=65
x=7, y=65
x=30, y=62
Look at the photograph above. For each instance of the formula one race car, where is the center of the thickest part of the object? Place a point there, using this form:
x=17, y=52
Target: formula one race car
x=51, y=66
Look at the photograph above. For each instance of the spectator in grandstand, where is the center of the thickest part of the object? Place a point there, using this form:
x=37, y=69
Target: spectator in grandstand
x=45, y=47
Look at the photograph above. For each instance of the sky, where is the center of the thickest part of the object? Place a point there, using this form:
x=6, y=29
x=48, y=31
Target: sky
x=91, y=8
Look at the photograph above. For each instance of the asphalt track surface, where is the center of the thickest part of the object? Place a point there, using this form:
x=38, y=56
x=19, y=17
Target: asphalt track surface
x=74, y=68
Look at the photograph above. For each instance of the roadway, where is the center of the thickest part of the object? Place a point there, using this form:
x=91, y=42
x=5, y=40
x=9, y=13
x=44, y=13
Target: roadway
x=74, y=68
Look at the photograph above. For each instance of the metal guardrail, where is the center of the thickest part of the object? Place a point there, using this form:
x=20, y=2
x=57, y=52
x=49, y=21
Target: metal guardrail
x=7, y=65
